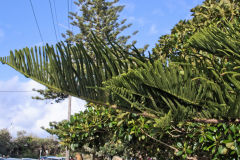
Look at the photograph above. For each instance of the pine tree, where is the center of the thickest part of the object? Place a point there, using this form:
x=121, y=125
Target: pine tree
x=205, y=88
x=100, y=17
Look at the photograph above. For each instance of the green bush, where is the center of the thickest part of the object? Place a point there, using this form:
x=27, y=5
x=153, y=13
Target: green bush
x=215, y=141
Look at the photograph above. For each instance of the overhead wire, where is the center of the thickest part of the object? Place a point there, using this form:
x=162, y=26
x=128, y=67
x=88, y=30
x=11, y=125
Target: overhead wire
x=68, y=13
x=53, y=19
x=39, y=31
x=16, y=91
x=71, y=10
x=55, y=10
x=40, y=34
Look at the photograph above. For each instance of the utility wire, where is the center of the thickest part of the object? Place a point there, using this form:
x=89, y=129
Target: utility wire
x=36, y=20
x=53, y=19
x=68, y=13
x=71, y=10
x=54, y=6
x=16, y=91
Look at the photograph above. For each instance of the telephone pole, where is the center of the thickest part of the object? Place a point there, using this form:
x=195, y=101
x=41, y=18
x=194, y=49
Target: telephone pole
x=69, y=115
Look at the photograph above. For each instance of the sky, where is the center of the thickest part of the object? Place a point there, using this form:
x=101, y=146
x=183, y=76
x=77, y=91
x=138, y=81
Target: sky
x=18, y=111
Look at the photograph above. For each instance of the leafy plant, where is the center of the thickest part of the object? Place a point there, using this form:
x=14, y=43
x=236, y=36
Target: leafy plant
x=212, y=141
x=199, y=85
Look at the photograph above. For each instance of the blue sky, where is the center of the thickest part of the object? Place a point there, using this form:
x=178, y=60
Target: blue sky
x=18, y=29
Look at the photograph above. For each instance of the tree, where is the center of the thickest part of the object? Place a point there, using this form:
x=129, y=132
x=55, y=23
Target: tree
x=25, y=145
x=5, y=142
x=29, y=146
x=100, y=16
x=172, y=46
x=169, y=92
x=217, y=90
x=165, y=93
x=106, y=132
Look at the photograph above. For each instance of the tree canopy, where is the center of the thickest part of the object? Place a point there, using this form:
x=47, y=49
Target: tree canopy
x=25, y=145
x=100, y=16
x=196, y=79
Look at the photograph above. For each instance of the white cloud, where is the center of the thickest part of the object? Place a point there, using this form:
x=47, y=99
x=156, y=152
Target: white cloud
x=153, y=29
x=20, y=112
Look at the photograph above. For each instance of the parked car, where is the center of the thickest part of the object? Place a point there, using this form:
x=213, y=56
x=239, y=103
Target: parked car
x=43, y=158
x=52, y=158
x=26, y=158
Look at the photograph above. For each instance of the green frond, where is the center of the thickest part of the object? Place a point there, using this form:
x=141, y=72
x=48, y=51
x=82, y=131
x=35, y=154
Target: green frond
x=72, y=69
x=222, y=46
x=158, y=89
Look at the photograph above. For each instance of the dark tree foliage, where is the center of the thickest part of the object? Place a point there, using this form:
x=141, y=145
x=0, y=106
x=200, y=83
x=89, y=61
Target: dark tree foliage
x=173, y=46
x=25, y=145
x=5, y=142
x=100, y=16
x=165, y=101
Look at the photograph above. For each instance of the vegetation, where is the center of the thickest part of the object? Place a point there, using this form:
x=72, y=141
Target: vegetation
x=5, y=143
x=172, y=46
x=100, y=16
x=181, y=101
x=105, y=133
x=26, y=145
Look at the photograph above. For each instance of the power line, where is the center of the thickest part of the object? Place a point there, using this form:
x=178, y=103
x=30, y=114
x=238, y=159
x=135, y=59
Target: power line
x=16, y=91
x=36, y=21
x=68, y=13
x=71, y=5
x=53, y=19
x=54, y=5
x=71, y=10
